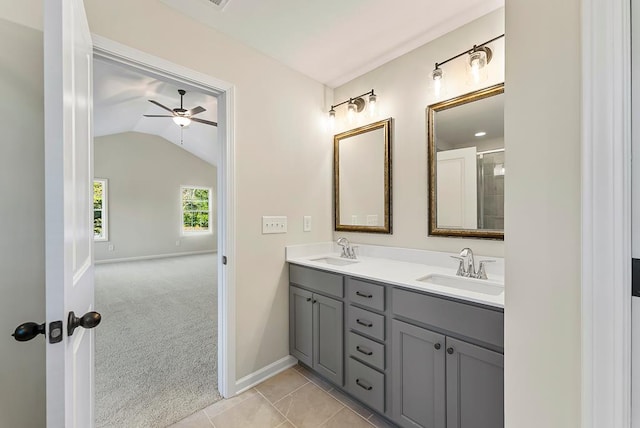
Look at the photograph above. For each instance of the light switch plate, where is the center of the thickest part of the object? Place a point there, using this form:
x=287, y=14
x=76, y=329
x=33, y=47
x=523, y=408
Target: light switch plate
x=274, y=224
x=306, y=223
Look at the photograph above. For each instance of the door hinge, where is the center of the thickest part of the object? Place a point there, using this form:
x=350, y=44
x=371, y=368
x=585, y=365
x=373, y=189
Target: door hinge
x=224, y=260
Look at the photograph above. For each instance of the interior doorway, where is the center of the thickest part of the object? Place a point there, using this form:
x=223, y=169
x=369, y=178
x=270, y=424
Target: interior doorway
x=221, y=193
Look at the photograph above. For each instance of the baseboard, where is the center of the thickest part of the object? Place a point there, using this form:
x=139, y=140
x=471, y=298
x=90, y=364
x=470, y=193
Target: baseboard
x=265, y=373
x=157, y=256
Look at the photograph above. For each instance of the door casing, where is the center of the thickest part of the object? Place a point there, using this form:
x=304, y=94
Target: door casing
x=110, y=51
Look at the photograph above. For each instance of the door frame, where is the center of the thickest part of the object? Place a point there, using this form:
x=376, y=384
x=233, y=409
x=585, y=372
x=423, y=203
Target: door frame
x=606, y=213
x=110, y=51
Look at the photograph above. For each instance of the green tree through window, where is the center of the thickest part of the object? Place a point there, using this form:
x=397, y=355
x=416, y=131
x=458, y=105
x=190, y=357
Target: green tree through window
x=100, y=210
x=196, y=209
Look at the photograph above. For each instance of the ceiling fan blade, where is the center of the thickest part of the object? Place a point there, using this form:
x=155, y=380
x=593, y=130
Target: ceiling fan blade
x=161, y=106
x=206, y=122
x=196, y=110
x=156, y=115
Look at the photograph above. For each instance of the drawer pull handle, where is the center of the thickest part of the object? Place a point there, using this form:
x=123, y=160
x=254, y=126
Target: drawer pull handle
x=364, y=351
x=363, y=385
x=368, y=296
x=364, y=323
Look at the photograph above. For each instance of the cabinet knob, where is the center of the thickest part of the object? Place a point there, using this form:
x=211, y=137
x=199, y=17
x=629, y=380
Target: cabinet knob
x=437, y=346
x=308, y=299
x=449, y=351
x=361, y=294
x=364, y=385
x=364, y=323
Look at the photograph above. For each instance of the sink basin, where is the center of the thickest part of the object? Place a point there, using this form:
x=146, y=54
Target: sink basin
x=468, y=284
x=334, y=261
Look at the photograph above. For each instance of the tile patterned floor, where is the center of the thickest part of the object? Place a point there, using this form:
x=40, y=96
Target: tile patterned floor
x=295, y=398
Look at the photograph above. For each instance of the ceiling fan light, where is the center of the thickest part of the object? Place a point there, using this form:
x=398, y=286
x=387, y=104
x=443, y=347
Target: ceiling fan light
x=181, y=121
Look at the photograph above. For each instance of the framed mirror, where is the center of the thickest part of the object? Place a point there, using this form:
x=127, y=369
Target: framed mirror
x=362, y=178
x=467, y=165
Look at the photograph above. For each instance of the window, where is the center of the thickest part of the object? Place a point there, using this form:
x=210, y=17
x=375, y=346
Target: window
x=196, y=209
x=100, y=210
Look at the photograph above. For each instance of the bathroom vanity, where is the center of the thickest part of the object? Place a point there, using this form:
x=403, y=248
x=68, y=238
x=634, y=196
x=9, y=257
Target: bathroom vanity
x=407, y=339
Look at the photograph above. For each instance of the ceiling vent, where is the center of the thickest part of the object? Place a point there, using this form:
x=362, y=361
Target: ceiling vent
x=220, y=4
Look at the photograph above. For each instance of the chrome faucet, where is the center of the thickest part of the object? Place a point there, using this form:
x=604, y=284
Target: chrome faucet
x=467, y=266
x=348, y=252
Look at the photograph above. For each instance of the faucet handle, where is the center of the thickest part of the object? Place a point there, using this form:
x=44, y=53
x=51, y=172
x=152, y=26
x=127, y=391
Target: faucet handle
x=482, y=272
x=460, y=271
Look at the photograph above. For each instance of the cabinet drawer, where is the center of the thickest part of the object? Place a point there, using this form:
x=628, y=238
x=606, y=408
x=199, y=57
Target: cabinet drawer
x=366, y=384
x=470, y=321
x=366, y=294
x=366, y=350
x=366, y=322
x=322, y=282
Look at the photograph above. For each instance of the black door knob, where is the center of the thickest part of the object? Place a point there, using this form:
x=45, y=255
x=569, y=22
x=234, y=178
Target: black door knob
x=28, y=331
x=88, y=320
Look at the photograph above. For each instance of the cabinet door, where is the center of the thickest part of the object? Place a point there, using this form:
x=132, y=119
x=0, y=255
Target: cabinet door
x=328, y=353
x=301, y=325
x=418, y=383
x=475, y=386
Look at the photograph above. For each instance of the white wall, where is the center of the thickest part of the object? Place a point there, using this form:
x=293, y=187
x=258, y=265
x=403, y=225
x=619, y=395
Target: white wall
x=542, y=214
x=22, y=391
x=283, y=153
x=404, y=92
x=144, y=174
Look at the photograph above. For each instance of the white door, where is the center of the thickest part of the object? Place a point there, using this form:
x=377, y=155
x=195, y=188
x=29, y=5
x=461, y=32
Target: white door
x=69, y=211
x=457, y=189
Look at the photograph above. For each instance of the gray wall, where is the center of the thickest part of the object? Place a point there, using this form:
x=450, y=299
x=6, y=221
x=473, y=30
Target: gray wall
x=145, y=173
x=22, y=365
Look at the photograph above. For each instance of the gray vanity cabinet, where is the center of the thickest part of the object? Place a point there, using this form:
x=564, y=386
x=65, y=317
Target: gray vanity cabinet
x=473, y=383
x=419, y=359
x=316, y=332
x=301, y=325
x=418, y=382
x=475, y=386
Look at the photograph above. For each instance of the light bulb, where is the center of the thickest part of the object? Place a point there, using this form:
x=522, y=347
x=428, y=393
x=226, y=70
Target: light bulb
x=181, y=121
x=351, y=110
x=373, y=100
x=436, y=76
x=477, y=61
x=332, y=119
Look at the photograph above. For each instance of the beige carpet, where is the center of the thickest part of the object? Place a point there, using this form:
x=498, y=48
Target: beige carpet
x=156, y=348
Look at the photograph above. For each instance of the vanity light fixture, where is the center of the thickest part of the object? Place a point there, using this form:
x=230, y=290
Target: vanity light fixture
x=478, y=57
x=356, y=105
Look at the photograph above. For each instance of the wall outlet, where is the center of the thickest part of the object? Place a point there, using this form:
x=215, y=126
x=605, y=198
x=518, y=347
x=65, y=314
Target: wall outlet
x=110, y=247
x=274, y=224
x=306, y=223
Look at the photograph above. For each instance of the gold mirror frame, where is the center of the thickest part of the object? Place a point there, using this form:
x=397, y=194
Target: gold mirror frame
x=434, y=230
x=385, y=125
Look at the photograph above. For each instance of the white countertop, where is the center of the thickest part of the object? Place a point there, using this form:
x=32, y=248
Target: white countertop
x=400, y=267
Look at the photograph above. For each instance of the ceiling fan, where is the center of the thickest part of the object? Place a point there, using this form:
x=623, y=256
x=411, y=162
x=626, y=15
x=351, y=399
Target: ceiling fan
x=180, y=115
